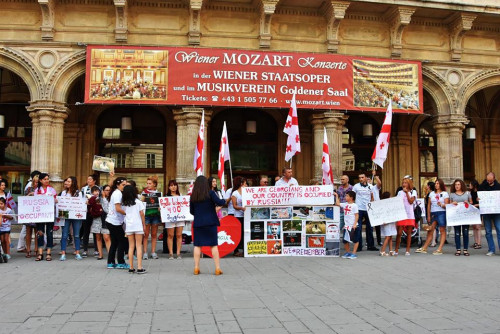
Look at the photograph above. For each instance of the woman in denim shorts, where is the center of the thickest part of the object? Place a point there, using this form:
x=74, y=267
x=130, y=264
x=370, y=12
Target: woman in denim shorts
x=436, y=216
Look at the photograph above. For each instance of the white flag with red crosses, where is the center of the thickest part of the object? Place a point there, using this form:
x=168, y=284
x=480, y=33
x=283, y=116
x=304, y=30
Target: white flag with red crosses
x=292, y=130
x=325, y=162
x=223, y=157
x=198, y=152
x=380, y=153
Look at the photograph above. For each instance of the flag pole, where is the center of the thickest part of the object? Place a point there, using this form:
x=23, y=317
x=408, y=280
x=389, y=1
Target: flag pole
x=374, y=167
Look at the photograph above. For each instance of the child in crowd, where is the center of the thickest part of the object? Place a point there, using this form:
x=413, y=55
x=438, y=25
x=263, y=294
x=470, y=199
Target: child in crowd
x=387, y=231
x=95, y=210
x=134, y=226
x=351, y=224
x=5, y=224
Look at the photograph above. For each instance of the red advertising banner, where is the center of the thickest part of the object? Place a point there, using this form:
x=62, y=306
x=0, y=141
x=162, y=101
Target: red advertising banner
x=249, y=78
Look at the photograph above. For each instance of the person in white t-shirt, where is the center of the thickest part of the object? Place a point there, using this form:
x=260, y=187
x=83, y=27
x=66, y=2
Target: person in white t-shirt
x=287, y=180
x=114, y=221
x=5, y=226
x=364, y=195
x=135, y=224
x=436, y=216
x=351, y=216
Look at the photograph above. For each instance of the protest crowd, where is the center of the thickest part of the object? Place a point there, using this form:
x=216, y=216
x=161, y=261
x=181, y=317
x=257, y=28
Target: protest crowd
x=121, y=218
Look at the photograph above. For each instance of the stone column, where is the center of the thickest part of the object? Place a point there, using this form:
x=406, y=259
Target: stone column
x=188, y=124
x=47, y=142
x=334, y=123
x=449, y=147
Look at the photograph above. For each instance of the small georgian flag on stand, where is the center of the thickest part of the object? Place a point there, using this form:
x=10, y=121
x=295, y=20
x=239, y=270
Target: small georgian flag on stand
x=223, y=157
x=292, y=130
x=325, y=162
x=190, y=189
x=198, y=152
x=380, y=153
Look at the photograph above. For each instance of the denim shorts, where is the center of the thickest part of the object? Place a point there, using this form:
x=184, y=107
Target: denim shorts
x=153, y=220
x=439, y=217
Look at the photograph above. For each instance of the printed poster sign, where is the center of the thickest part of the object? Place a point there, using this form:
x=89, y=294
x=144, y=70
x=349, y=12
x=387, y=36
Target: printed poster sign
x=103, y=164
x=35, y=209
x=462, y=214
x=292, y=231
x=421, y=204
x=249, y=78
x=174, y=209
x=287, y=196
x=71, y=207
x=489, y=202
x=386, y=211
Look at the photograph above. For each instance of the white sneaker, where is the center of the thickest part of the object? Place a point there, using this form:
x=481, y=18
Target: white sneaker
x=145, y=256
x=154, y=256
x=490, y=253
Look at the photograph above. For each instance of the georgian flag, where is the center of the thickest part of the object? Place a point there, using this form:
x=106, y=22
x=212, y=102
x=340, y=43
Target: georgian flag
x=198, y=152
x=190, y=189
x=11, y=204
x=292, y=130
x=325, y=162
x=380, y=153
x=223, y=157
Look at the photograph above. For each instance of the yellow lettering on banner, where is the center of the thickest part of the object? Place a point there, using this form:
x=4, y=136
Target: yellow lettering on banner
x=256, y=247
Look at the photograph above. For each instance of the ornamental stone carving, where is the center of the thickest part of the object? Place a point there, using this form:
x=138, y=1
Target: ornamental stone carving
x=121, y=27
x=399, y=18
x=458, y=27
x=48, y=18
x=334, y=13
x=268, y=7
x=194, y=35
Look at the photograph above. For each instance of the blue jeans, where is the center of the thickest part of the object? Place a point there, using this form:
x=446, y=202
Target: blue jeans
x=464, y=230
x=77, y=224
x=488, y=228
x=368, y=230
x=47, y=228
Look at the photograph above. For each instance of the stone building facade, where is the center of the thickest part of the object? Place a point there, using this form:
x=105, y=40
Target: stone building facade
x=42, y=63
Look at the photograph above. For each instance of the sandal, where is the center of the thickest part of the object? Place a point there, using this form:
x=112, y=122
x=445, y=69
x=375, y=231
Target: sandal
x=28, y=255
x=466, y=253
x=39, y=257
x=477, y=246
x=437, y=252
x=383, y=254
x=458, y=252
x=48, y=258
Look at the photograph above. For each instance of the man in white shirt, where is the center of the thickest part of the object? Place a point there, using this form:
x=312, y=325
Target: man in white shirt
x=377, y=187
x=287, y=180
x=364, y=195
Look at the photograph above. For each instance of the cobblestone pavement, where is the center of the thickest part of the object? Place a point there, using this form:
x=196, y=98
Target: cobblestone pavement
x=420, y=293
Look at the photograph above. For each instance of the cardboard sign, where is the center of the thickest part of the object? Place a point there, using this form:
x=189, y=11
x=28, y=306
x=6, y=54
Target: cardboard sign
x=35, y=209
x=386, y=211
x=228, y=236
x=174, y=209
x=462, y=214
x=292, y=231
x=489, y=202
x=71, y=207
x=286, y=196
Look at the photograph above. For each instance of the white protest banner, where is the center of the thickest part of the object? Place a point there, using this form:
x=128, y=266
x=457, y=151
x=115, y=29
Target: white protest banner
x=489, y=201
x=300, y=195
x=35, y=209
x=386, y=211
x=462, y=214
x=174, y=209
x=71, y=207
x=421, y=204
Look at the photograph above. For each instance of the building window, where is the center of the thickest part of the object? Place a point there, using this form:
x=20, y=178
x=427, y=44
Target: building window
x=150, y=160
x=120, y=160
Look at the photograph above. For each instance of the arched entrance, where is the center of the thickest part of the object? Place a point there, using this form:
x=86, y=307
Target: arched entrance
x=15, y=131
x=253, y=143
x=135, y=137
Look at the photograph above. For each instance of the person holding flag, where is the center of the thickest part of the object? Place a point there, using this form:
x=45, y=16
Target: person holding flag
x=198, y=152
x=380, y=153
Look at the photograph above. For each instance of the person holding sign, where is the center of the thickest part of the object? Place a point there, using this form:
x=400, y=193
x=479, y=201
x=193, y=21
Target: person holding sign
x=436, y=216
x=364, y=195
x=460, y=194
x=409, y=196
x=151, y=196
x=490, y=184
x=174, y=228
x=239, y=210
x=476, y=228
x=202, y=206
x=71, y=190
x=44, y=189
